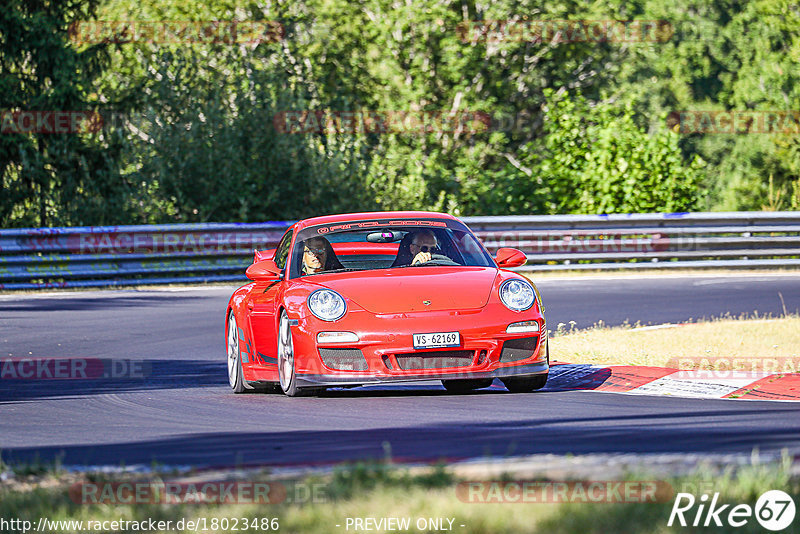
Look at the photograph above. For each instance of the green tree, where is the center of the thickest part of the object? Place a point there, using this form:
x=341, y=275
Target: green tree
x=52, y=178
x=577, y=126
x=595, y=159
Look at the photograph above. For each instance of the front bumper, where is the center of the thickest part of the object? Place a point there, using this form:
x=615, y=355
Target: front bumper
x=340, y=379
x=383, y=339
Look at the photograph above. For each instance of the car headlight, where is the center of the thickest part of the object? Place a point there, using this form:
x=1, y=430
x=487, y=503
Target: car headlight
x=326, y=304
x=517, y=295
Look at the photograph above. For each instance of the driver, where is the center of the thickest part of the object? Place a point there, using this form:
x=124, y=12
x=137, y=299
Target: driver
x=422, y=245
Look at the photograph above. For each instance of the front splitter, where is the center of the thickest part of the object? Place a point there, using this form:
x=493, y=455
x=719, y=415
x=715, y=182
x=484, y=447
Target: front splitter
x=332, y=380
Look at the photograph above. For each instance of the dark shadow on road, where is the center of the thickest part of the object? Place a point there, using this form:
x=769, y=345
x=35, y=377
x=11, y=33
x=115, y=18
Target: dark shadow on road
x=180, y=374
x=151, y=375
x=124, y=300
x=677, y=428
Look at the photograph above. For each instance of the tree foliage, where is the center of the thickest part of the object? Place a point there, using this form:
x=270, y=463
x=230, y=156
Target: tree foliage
x=577, y=127
x=51, y=178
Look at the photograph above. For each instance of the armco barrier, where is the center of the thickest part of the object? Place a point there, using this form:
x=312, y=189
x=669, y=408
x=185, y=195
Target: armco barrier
x=647, y=240
x=32, y=258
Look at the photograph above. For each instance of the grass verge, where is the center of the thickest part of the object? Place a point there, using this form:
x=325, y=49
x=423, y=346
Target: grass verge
x=536, y=276
x=379, y=491
x=704, y=345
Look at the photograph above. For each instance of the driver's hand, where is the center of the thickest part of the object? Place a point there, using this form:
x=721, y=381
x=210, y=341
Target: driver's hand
x=422, y=257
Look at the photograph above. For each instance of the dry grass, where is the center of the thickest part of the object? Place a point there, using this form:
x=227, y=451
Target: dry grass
x=536, y=276
x=708, y=345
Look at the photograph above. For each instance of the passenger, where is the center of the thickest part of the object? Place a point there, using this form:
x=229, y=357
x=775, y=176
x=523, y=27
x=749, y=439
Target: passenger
x=318, y=256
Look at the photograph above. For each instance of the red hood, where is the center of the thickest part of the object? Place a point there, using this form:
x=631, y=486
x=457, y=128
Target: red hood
x=405, y=289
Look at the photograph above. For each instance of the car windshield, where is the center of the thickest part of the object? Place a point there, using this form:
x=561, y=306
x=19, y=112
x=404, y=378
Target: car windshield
x=384, y=244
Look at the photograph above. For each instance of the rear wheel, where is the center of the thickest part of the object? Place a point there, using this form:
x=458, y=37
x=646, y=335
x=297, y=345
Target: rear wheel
x=465, y=386
x=235, y=375
x=286, y=373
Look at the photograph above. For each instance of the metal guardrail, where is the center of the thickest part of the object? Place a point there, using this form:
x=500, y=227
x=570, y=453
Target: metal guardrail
x=33, y=258
x=647, y=240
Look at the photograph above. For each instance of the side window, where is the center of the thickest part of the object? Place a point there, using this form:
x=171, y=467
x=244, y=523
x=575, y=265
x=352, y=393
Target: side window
x=283, y=249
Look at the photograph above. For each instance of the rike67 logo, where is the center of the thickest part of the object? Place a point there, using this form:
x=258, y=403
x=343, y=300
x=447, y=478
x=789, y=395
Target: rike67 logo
x=774, y=510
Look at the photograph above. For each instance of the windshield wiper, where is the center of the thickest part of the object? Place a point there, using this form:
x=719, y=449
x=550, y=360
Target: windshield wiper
x=432, y=263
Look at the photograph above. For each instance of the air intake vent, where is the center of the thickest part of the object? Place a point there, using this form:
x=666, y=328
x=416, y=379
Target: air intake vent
x=435, y=360
x=518, y=349
x=343, y=359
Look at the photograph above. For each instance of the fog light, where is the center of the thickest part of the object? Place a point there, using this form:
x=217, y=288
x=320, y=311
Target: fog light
x=523, y=326
x=336, y=337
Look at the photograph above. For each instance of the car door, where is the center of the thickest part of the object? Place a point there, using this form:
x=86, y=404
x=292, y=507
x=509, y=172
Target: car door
x=262, y=307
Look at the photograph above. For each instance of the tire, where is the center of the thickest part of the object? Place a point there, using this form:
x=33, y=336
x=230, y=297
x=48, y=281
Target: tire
x=286, y=368
x=525, y=384
x=265, y=387
x=235, y=375
x=465, y=386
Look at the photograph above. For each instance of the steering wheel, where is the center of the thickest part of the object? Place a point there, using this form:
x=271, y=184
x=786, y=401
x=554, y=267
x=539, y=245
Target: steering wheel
x=439, y=259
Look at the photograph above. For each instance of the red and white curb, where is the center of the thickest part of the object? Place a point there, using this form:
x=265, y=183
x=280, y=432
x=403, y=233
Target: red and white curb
x=640, y=380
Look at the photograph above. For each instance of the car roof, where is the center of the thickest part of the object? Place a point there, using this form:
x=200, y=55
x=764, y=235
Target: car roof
x=345, y=217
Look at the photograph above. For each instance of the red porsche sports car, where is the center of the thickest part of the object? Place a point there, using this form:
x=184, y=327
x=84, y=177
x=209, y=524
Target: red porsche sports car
x=386, y=297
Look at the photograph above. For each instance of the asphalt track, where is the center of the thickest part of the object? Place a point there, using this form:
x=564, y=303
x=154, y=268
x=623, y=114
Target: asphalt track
x=183, y=413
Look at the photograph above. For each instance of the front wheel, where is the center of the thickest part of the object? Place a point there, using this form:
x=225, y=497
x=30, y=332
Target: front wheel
x=286, y=364
x=465, y=386
x=525, y=384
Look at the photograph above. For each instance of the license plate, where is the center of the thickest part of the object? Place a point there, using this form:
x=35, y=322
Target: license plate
x=436, y=340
